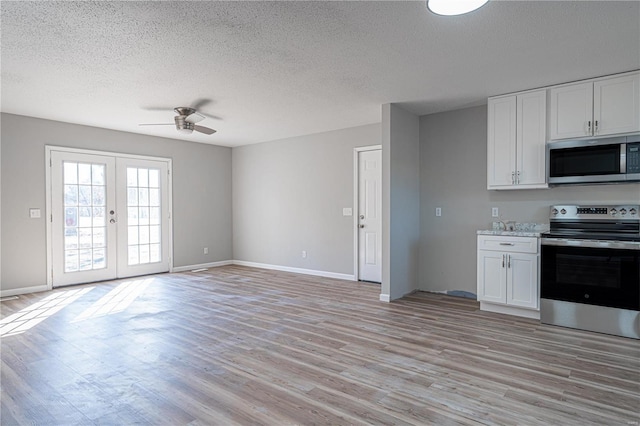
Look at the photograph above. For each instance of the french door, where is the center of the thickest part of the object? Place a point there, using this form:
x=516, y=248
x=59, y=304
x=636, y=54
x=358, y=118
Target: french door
x=109, y=217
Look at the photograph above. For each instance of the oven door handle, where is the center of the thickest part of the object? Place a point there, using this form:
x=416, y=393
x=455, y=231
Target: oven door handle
x=562, y=242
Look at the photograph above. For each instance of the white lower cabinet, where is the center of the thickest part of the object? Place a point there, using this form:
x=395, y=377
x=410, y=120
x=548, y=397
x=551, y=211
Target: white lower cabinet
x=508, y=271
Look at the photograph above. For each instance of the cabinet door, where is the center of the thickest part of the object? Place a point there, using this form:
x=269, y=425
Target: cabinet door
x=492, y=278
x=522, y=280
x=531, y=138
x=501, y=147
x=616, y=105
x=571, y=110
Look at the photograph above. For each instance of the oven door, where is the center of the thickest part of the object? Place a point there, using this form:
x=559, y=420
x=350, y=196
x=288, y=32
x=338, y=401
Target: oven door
x=591, y=272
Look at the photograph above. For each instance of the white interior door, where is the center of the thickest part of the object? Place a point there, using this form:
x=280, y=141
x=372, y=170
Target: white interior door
x=109, y=217
x=83, y=239
x=370, y=215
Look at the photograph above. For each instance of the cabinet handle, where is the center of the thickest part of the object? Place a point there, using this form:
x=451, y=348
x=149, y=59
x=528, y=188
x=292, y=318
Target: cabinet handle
x=595, y=129
x=503, y=260
x=508, y=261
x=507, y=244
x=588, y=127
x=518, y=178
x=513, y=178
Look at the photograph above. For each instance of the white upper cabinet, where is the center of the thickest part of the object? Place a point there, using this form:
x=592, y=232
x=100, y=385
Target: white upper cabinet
x=516, y=141
x=571, y=111
x=531, y=136
x=600, y=107
x=616, y=105
x=501, y=138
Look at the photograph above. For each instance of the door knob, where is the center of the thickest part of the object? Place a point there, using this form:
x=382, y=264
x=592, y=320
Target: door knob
x=111, y=212
x=112, y=221
x=361, y=226
x=361, y=216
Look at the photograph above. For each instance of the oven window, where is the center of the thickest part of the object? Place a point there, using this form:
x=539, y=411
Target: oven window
x=596, y=276
x=598, y=271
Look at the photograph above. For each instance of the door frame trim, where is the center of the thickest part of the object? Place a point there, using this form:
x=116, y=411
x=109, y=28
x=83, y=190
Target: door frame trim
x=356, y=188
x=48, y=194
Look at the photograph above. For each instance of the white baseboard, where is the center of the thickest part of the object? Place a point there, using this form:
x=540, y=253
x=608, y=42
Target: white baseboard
x=202, y=265
x=385, y=298
x=23, y=290
x=296, y=270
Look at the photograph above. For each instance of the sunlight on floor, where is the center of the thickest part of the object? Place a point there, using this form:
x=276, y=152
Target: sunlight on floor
x=29, y=317
x=117, y=300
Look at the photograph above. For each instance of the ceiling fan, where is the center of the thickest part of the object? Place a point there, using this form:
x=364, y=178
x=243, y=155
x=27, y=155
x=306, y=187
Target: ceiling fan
x=185, y=121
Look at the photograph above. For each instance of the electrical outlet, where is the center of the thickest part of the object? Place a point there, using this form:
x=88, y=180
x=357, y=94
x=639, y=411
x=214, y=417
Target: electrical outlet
x=495, y=212
x=304, y=254
x=206, y=250
x=438, y=211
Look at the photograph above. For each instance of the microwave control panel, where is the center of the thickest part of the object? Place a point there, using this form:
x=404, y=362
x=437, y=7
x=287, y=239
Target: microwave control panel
x=633, y=157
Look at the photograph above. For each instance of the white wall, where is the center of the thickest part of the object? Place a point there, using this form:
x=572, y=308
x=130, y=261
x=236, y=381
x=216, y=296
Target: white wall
x=453, y=176
x=288, y=196
x=400, y=201
x=201, y=193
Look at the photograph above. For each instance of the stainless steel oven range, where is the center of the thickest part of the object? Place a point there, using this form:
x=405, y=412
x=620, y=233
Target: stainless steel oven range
x=590, y=269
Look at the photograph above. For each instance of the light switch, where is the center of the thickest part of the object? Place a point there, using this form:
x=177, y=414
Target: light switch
x=347, y=211
x=34, y=213
x=438, y=211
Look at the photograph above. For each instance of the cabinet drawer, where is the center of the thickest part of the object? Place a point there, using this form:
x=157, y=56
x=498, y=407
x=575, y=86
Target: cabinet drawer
x=508, y=244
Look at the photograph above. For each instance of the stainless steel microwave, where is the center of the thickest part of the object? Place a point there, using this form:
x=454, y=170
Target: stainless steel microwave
x=606, y=160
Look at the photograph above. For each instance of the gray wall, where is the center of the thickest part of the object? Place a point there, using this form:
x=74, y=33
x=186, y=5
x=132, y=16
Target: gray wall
x=288, y=196
x=400, y=201
x=201, y=192
x=453, y=172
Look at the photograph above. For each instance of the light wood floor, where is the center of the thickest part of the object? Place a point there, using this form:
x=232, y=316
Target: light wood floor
x=237, y=345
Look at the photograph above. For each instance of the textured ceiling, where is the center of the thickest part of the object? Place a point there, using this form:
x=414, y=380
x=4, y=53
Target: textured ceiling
x=270, y=70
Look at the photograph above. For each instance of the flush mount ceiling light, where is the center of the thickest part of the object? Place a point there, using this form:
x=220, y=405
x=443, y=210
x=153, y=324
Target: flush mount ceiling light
x=454, y=7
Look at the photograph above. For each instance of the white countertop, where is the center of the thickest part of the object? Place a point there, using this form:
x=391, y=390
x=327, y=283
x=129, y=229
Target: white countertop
x=529, y=229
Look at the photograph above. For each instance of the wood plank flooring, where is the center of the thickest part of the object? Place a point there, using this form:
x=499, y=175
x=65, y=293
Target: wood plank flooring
x=244, y=346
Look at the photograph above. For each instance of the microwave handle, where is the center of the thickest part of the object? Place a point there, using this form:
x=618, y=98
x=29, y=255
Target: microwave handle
x=623, y=158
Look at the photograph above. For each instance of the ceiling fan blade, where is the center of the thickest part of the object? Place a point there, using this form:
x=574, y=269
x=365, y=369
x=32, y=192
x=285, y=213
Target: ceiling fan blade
x=195, y=117
x=215, y=117
x=205, y=130
x=199, y=103
x=157, y=124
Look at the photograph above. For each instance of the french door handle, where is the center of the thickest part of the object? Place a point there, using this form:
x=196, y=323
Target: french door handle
x=112, y=221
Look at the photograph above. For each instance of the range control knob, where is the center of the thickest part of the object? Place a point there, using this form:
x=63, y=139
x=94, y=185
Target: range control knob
x=554, y=212
x=613, y=212
x=623, y=212
x=563, y=211
x=632, y=212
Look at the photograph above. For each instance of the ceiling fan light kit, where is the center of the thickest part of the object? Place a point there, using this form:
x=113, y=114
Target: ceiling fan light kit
x=454, y=7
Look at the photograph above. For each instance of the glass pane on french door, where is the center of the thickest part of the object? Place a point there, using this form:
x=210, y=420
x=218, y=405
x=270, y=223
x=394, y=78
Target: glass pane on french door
x=110, y=217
